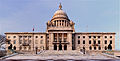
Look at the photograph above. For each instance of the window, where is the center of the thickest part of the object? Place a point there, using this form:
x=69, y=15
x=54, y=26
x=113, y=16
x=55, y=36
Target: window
x=105, y=47
x=65, y=35
x=41, y=42
x=29, y=47
x=105, y=41
x=29, y=36
x=41, y=37
x=98, y=36
x=89, y=36
x=90, y=48
x=78, y=36
x=29, y=41
x=20, y=41
x=110, y=41
x=94, y=41
x=89, y=41
x=110, y=36
x=14, y=42
x=94, y=36
x=20, y=36
x=25, y=36
x=83, y=36
x=14, y=36
x=8, y=36
x=98, y=41
x=78, y=41
x=83, y=41
x=64, y=39
x=9, y=41
x=105, y=36
x=94, y=48
x=36, y=36
x=99, y=48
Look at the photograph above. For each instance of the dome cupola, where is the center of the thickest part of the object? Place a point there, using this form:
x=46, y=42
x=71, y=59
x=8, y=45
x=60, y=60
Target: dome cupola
x=59, y=14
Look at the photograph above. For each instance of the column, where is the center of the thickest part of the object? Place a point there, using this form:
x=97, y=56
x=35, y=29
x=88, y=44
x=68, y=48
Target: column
x=61, y=22
x=57, y=38
x=62, y=47
x=57, y=47
x=64, y=23
x=56, y=23
x=69, y=39
x=51, y=46
x=62, y=37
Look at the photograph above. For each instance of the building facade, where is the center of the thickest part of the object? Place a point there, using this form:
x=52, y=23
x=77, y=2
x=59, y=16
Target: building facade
x=60, y=35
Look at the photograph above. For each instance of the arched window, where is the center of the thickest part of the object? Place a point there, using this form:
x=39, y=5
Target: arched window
x=90, y=48
x=55, y=47
x=60, y=47
x=14, y=48
x=65, y=47
x=99, y=48
x=14, y=41
x=105, y=47
x=10, y=47
x=94, y=47
x=109, y=47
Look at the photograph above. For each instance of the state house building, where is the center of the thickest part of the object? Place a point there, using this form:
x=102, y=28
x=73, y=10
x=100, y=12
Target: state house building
x=60, y=35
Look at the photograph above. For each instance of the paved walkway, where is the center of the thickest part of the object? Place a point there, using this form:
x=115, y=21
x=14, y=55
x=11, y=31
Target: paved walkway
x=45, y=55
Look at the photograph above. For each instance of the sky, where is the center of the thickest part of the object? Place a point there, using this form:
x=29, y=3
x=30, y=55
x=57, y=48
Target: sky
x=88, y=15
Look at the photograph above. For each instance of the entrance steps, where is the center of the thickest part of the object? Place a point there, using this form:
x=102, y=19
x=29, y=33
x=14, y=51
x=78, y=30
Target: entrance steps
x=52, y=53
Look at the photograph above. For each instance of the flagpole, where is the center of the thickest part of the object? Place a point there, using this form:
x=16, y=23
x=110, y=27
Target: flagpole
x=33, y=38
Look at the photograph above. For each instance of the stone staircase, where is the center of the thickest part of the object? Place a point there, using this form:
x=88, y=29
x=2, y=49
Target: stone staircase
x=60, y=53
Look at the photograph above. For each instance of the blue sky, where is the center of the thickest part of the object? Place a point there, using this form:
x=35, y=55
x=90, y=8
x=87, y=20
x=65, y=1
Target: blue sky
x=98, y=15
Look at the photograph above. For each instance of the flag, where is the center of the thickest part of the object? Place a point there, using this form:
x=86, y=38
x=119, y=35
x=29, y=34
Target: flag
x=33, y=29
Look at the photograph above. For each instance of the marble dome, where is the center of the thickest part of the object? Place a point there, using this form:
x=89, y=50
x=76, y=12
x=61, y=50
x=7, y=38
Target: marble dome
x=60, y=13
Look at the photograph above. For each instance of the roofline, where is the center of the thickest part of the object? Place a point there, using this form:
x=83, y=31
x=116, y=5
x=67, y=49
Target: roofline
x=95, y=33
x=25, y=32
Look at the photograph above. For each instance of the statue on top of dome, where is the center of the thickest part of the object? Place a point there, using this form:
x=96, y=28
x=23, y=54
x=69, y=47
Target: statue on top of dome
x=60, y=6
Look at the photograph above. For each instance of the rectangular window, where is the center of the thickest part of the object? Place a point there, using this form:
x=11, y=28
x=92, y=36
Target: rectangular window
x=65, y=39
x=105, y=41
x=20, y=41
x=110, y=36
x=29, y=41
x=20, y=36
x=41, y=37
x=8, y=36
x=110, y=41
x=14, y=36
x=41, y=42
x=78, y=36
x=14, y=42
x=89, y=41
x=98, y=36
x=105, y=36
x=94, y=36
x=83, y=36
x=89, y=36
x=36, y=36
x=29, y=36
x=9, y=41
x=98, y=41
x=78, y=41
x=25, y=36
x=94, y=41
x=83, y=41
